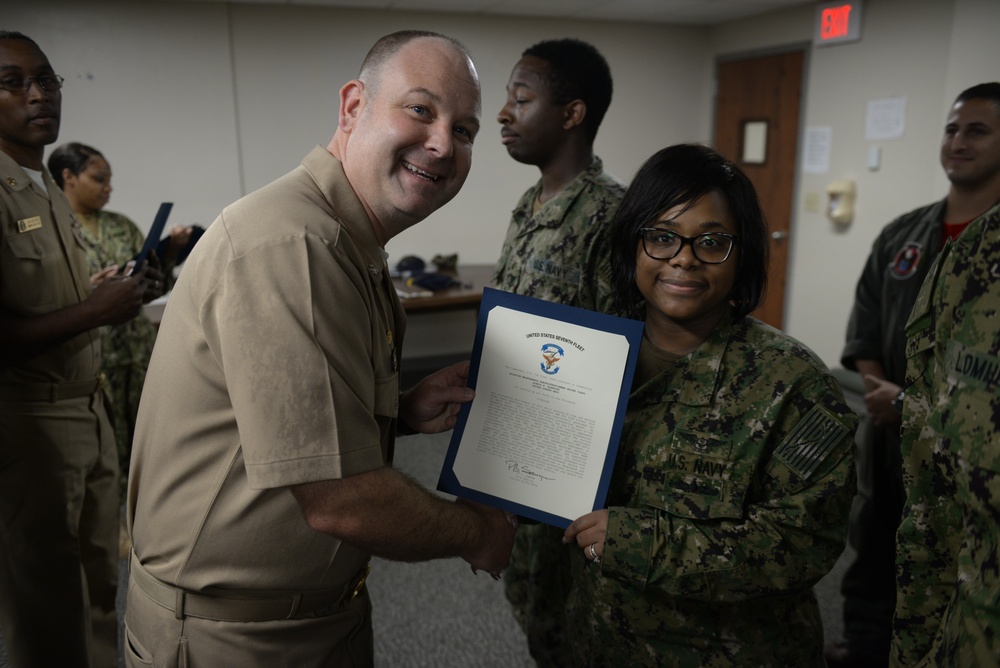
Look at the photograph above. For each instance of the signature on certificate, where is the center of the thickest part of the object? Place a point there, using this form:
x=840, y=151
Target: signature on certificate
x=514, y=467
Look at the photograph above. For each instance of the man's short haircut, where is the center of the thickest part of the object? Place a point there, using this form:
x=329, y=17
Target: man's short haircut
x=73, y=156
x=13, y=34
x=984, y=91
x=387, y=46
x=681, y=175
x=577, y=71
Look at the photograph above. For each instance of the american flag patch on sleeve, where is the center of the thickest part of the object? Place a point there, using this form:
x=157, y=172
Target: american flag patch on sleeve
x=811, y=441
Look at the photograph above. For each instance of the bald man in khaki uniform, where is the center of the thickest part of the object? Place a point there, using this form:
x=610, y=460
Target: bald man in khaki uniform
x=260, y=482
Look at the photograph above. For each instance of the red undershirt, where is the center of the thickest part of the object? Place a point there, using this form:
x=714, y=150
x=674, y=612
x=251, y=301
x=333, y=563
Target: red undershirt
x=952, y=230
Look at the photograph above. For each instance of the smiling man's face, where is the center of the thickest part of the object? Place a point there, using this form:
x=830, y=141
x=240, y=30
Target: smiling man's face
x=409, y=148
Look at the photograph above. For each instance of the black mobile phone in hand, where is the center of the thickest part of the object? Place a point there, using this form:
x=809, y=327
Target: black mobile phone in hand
x=153, y=238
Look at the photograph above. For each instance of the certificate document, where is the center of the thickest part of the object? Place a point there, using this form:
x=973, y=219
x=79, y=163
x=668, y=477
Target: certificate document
x=552, y=383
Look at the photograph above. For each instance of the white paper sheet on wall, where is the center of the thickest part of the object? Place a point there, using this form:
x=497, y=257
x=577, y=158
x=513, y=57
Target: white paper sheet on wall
x=886, y=118
x=816, y=150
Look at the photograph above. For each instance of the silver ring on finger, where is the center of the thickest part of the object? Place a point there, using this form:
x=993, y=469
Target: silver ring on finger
x=593, y=553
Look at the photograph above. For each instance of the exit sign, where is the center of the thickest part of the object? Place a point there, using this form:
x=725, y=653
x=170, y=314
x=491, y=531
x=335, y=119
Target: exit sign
x=838, y=22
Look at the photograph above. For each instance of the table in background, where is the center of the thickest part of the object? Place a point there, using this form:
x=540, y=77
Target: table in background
x=426, y=332
x=472, y=278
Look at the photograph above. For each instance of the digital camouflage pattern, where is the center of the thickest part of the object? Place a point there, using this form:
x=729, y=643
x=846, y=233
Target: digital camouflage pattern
x=536, y=583
x=562, y=254
x=729, y=501
x=900, y=258
x=948, y=567
x=125, y=349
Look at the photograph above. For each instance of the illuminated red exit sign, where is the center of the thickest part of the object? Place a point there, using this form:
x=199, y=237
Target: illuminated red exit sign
x=838, y=22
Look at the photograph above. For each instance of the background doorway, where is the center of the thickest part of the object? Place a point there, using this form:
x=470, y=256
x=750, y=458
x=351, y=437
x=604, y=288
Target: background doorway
x=757, y=108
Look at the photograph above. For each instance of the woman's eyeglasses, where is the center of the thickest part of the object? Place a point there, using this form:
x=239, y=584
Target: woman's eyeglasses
x=710, y=248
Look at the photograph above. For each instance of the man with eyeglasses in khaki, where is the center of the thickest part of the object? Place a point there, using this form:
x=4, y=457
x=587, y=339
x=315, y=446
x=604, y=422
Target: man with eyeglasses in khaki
x=58, y=462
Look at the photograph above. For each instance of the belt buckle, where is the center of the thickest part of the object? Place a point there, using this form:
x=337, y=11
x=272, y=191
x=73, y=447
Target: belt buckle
x=361, y=582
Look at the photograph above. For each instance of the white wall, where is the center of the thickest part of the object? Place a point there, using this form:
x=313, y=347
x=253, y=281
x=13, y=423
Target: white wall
x=200, y=102
x=290, y=61
x=924, y=50
x=973, y=53
x=150, y=85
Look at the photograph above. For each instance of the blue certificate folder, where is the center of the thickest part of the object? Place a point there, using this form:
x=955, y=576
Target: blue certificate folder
x=155, y=232
x=549, y=363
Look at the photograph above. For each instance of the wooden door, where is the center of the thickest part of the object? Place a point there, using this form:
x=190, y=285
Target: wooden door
x=754, y=97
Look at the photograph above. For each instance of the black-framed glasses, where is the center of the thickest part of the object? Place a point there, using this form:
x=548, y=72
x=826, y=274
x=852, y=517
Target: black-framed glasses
x=21, y=85
x=710, y=248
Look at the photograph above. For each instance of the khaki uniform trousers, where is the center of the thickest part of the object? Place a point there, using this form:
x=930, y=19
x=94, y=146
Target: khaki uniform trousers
x=59, y=508
x=155, y=636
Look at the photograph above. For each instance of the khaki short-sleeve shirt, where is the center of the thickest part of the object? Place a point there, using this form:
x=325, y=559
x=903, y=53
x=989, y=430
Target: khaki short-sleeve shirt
x=43, y=268
x=276, y=364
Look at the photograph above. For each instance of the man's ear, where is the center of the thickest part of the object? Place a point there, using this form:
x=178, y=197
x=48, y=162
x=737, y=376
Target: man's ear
x=575, y=112
x=351, y=102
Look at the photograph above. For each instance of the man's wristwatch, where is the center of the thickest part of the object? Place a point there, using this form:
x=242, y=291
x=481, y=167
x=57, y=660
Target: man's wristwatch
x=897, y=403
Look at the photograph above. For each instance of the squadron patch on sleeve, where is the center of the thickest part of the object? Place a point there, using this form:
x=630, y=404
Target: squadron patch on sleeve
x=813, y=438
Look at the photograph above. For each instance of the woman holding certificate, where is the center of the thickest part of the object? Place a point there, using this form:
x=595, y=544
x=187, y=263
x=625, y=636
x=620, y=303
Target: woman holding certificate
x=735, y=472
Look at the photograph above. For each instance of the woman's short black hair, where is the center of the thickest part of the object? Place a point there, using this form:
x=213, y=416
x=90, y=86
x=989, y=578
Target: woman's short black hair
x=73, y=156
x=681, y=175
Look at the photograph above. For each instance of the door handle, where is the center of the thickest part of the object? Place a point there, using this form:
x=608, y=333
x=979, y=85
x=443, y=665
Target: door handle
x=779, y=235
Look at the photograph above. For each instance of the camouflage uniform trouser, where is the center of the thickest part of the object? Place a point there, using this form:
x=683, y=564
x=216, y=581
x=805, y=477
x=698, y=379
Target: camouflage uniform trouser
x=536, y=583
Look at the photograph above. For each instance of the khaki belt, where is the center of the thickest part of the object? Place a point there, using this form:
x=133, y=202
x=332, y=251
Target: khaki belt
x=70, y=389
x=253, y=607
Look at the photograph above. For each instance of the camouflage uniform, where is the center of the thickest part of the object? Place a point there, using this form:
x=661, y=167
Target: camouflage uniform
x=729, y=500
x=947, y=610
x=125, y=348
x=561, y=254
x=888, y=287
